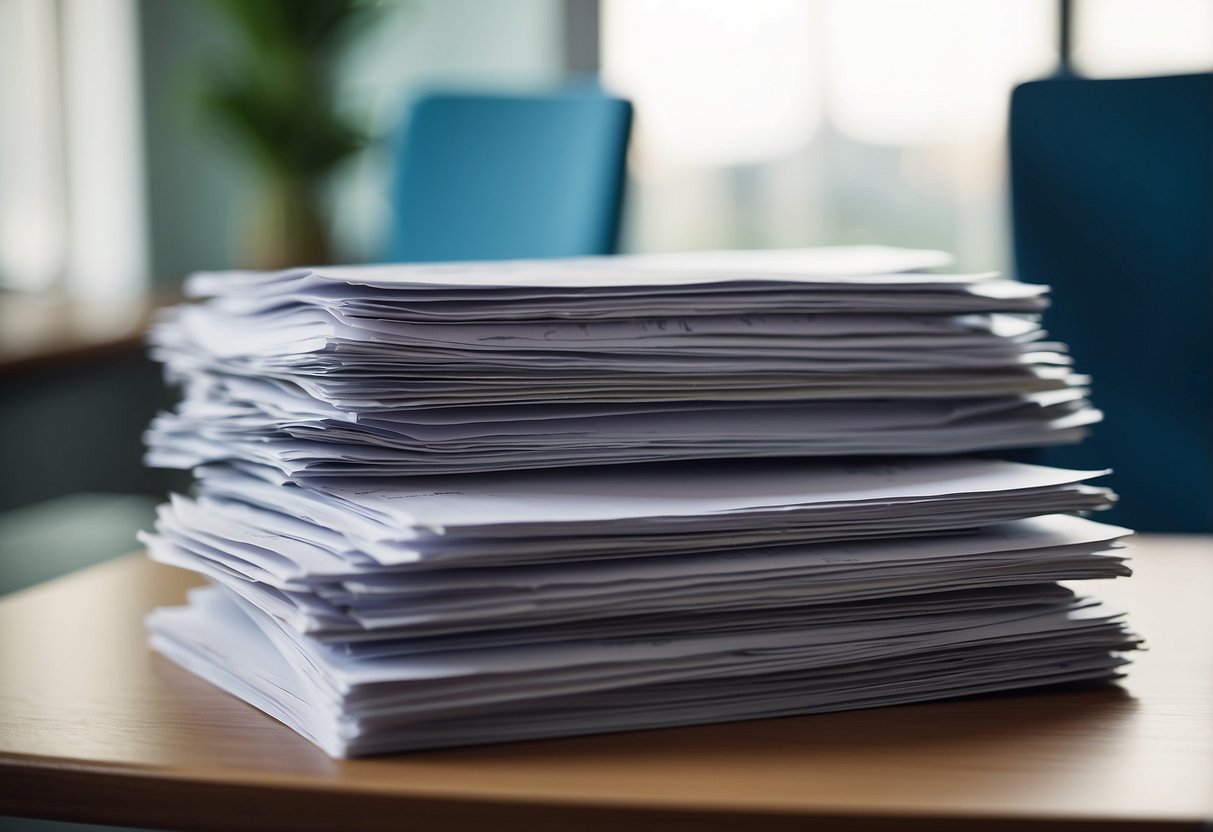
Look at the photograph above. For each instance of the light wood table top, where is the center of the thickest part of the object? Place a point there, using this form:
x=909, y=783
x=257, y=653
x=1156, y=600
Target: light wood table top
x=47, y=331
x=94, y=727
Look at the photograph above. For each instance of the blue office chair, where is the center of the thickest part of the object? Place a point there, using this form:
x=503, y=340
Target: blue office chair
x=483, y=177
x=1112, y=192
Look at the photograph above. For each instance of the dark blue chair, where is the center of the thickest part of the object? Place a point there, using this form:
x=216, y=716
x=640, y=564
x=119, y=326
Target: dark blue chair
x=483, y=177
x=1112, y=196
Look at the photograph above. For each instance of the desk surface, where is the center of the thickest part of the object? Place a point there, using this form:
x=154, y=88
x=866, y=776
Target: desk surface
x=39, y=332
x=94, y=727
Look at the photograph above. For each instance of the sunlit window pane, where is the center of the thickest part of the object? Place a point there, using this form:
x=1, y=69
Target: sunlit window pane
x=715, y=81
x=907, y=72
x=107, y=251
x=71, y=158
x=32, y=198
x=1117, y=38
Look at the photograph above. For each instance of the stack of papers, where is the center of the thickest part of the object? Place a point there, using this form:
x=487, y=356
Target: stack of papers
x=383, y=579
x=385, y=616
x=442, y=369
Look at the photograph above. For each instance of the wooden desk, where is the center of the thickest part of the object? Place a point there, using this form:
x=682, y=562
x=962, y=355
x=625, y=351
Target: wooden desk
x=93, y=727
x=40, y=332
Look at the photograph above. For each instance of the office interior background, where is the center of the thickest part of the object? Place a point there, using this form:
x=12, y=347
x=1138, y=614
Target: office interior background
x=765, y=124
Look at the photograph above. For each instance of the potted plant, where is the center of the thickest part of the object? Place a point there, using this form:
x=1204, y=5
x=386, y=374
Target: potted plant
x=272, y=90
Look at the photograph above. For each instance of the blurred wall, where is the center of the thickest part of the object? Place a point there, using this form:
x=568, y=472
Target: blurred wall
x=193, y=183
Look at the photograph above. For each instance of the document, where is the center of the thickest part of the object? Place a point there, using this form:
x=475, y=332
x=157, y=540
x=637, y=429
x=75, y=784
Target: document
x=353, y=706
x=351, y=371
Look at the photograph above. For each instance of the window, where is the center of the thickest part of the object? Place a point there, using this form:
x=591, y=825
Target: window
x=804, y=122
x=71, y=169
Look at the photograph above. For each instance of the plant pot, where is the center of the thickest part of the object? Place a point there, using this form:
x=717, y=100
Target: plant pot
x=286, y=228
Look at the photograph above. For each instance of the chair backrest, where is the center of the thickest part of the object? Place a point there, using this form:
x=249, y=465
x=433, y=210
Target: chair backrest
x=483, y=177
x=1112, y=191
